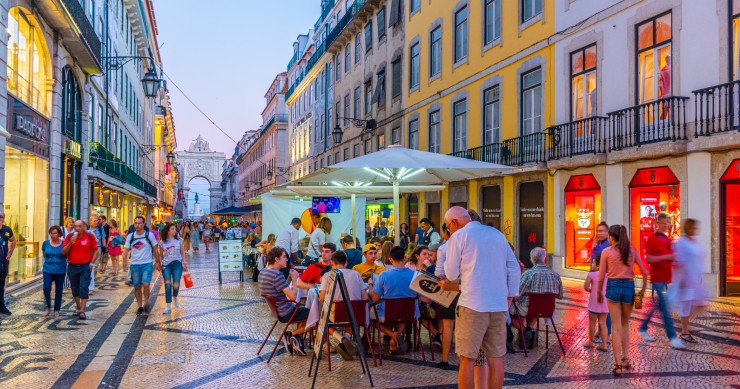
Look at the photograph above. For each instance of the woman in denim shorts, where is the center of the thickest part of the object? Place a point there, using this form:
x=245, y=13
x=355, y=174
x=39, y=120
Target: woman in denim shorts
x=616, y=269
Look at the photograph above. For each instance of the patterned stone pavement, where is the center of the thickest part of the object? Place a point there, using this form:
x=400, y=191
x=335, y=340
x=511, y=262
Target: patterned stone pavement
x=212, y=341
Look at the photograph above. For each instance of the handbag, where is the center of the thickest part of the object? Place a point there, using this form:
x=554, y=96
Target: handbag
x=188, y=280
x=638, y=301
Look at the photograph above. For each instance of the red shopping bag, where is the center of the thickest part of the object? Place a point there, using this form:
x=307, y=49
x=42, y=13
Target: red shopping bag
x=188, y=280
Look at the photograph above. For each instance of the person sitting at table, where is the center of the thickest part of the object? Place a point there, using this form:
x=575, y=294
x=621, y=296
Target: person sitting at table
x=392, y=284
x=356, y=291
x=312, y=275
x=354, y=255
x=369, y=269
x=273, y=284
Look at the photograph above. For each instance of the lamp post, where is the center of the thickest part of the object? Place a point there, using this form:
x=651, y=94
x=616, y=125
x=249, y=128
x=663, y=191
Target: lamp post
x=337, y=133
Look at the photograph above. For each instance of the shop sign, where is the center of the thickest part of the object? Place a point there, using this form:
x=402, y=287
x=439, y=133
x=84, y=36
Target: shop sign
x=29, y=130
x=72, y=149
x=492, y=206
x=531, y=218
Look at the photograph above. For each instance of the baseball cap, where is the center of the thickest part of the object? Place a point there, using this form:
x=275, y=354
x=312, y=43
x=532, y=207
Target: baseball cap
x=369, y=247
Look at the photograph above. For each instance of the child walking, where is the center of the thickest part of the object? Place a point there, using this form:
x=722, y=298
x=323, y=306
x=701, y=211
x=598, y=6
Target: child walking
x=597, y=311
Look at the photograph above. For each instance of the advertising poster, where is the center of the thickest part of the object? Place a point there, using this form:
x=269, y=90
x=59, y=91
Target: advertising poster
x=230, y=255
x=585, y=229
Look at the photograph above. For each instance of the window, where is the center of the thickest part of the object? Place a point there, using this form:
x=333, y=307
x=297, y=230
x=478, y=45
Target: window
x=435, y=52
x=379, y=96
x=460, y=126
x=461, y=34
x=27, y=61
x=346, y=153
x=583, y=83
x=367, y=146
x=414, y=66
x=347, y=62
x=338, y=61
x=380, y=20
x=734, y=45
x=346, y=110
x=381, y=142
x=369, y=36
x=654, y=59
x=358, y=48
x=414, y=134
x=396, y=136
x=435, y=132
x=71, y=106
x=491, y=21
x=491, y=116
x=356, y=151
x=336, y=157
x=414, y=6
x=328, y=160
x=356, y=108
x=338, y=110
x=530, y=9
x=368, y=96
x=532, y=102
x=396, y=69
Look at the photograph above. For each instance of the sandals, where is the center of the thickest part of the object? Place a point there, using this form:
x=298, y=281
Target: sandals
x=589, y=344
x=617, y=370
x=627, y=363
x=688, y=338
x=602, y=347
x=82, y=316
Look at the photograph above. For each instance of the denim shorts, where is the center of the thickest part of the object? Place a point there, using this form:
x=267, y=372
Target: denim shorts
x=141, y=274
x=620, y=290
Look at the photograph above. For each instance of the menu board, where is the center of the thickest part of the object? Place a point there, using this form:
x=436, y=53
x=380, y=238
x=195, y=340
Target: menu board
x=230, y=255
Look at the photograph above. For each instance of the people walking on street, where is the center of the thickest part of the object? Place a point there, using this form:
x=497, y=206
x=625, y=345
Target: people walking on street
x=141, y=247
x=659, y=254
x=54, y=269
x=172, y=265
x=689, y=294
x=597, y=311
x=600, y=243
x=82, y=250
x=69, y=227
x=103, y=243
x=7, y=246
x=616, y=270
x=186, y=233
x=94, y=229
x=207, y=235
x=115, y=246
x=480, y=257
x=195, y=232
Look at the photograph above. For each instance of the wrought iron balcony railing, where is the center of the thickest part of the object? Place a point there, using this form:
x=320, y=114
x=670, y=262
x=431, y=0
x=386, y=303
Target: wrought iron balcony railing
x=103, y=160
x=584, y=136
x=523, y=149
x=87, y=32
x=717, y=109
x=656, y=121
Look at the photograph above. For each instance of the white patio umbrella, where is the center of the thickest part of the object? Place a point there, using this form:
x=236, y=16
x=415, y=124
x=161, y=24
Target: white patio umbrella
x=395, y=168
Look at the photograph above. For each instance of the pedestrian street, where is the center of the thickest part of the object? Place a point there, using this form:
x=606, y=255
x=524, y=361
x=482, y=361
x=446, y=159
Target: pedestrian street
x=211, y=341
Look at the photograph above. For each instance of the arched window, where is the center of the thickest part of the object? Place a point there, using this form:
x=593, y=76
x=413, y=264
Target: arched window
x=28, y=58
x=71, y=105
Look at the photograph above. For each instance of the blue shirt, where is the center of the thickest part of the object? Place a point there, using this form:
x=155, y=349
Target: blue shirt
x=394, y=283
x=419, y=235
x=54, y=261
x=600, y=246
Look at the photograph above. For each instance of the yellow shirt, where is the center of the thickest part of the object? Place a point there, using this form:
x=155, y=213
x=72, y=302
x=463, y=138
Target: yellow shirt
x=366, y=270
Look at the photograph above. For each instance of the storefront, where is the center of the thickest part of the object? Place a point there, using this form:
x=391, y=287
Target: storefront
x=730, y=230
x=582, y=215
x=109, y=203
x=376, y=213
x=491, y=206
x=653, y=191
x=27, y=199
x=531, y=219
x=433, y=209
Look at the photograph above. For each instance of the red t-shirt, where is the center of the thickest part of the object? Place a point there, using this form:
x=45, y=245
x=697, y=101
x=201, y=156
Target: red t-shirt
x=82, y=249
x=312, y=274
x=659, y=244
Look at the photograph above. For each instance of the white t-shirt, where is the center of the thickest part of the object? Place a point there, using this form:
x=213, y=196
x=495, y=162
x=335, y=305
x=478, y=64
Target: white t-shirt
x=141, y=247
x=352, y=280
x=318, y=238
x=171, y=251
x=288, y=240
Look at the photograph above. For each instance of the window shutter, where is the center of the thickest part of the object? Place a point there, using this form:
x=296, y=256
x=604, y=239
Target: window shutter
x=378, y=96
x=395, y=13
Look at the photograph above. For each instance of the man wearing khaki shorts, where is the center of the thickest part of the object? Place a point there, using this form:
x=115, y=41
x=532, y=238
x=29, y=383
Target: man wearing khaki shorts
x=481, y=259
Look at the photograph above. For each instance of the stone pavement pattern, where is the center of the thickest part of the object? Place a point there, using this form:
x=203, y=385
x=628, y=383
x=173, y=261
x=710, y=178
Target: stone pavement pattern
x=212, y=342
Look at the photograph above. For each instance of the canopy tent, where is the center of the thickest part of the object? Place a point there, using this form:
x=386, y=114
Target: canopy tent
x=394, y=170
x=230, y=211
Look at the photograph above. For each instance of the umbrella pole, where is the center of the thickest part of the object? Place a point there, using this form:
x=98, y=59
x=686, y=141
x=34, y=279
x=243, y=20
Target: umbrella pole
x=396, y=222
x=354, y=224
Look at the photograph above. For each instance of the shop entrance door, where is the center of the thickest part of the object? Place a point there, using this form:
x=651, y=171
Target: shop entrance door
x=730, y=231
x=433, y=213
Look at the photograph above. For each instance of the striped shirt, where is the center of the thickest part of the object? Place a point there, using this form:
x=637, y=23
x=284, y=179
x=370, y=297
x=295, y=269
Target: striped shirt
x=539, y=279
x=272, y=283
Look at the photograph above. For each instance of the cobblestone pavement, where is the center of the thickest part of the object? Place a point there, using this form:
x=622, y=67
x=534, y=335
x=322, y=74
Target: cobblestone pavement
x=212, y=342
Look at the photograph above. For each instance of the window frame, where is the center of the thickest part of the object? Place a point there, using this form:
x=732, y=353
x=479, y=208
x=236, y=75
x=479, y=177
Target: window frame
x=654, y=47
x=381, y=21
x=414, y=75
x=493, y=103
x=413, y=134
x=358, y=47
x=461, y=35
x=435, y=43
x=368, y=35
x=522, y=93
x=495, y=20
x=455, y=130
x=583, y=73
x=397, y=80
x=434, y=144
x=534, y=15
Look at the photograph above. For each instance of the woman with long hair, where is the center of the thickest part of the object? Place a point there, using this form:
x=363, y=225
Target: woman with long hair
x=617, y=270
x=688, y=290
x=54, y=269
x=195, y=236
x=319, y=236
x=172, y=265
x=115, y=244
x=186, y=237
x=404, y=235
x=207, y=235
x=419, y=259
x=68, y=227
x=385, y=254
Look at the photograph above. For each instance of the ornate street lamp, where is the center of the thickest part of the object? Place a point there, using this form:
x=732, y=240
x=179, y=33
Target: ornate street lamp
x=151, y=83
x=337, y=133
x=171, y=158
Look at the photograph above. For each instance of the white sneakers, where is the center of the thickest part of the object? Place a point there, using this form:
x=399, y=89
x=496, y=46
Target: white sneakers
x=167, y=309
x=646, y=336
x=677, y=343
x=176, y=301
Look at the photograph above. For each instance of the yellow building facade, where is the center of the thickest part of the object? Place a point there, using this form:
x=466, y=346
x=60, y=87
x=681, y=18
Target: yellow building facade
x=480, y=84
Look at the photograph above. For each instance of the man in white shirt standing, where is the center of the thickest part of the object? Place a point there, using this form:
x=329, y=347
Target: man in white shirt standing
x=140, y=247
x=480, y=257
x=288, y=239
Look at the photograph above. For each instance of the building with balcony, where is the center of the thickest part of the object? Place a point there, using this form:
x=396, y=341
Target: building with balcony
x=478, y=84
x=165, y=143
x=299, y=100
x=646, y=123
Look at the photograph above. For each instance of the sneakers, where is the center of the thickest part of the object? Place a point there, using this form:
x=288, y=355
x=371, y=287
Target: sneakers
x=167, y=309
x=286, y=342
x=140, y=311
x=298, y=345
x=5, y=311
x=677, y=343
x=646, y=336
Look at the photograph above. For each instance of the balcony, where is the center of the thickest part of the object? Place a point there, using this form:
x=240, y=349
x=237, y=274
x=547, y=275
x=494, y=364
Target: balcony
x=657, y=121
x=584, y=136
x=278, y=118
x=522, y=150
x=86, y=38
x=490, y=153
x=103, y=160
x=717, y=109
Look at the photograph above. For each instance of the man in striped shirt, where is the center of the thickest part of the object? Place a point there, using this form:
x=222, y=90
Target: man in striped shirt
x=538, y=279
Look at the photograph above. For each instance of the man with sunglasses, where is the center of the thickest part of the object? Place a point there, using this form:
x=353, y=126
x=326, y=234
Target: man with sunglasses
x=7, y=246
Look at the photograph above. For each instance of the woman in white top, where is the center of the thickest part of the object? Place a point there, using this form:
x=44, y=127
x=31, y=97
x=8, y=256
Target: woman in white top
x=319, y=236
x=173, y=263
x=688, y=291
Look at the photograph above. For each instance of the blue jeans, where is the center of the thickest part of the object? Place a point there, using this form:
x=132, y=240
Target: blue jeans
x=660, y=289
x=172, y=272
x=620, y=290
x=58, y=280
x=141, y=274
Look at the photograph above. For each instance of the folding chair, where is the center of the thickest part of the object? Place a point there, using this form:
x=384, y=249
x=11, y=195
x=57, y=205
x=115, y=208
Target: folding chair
x=399, y=310
x=341, y=319
x=272, y=303
x=541, y=305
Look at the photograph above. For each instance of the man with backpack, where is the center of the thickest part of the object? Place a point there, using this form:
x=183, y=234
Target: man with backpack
x=141, y=246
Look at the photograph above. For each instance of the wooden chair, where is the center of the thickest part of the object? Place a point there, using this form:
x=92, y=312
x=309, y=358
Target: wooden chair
x=341, y=319
x=399, y=310
x=272, y=303
x=541, y=305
